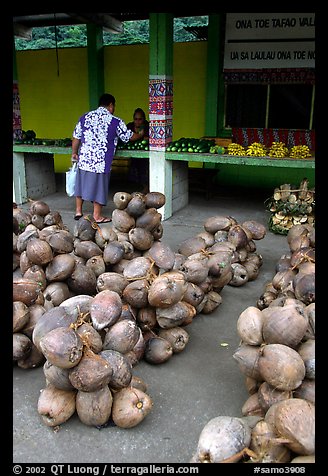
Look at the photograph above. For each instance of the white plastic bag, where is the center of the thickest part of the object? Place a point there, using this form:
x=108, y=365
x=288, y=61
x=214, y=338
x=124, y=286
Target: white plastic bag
x=70, y=180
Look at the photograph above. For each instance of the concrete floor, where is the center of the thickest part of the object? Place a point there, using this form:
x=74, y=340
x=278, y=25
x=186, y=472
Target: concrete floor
x=188, y=390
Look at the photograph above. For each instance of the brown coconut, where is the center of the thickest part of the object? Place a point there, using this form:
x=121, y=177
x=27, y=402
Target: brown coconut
x=82, y=280
x=122, y=221
x=113, y=252
x=111, y=281
x=175, y=315
x=49, y=320
x=294, y=420
x=121, y=199
x=281, y=366
x=90, y=337
x=39, y=251
x=130, y=407
x=136, y=206
x=266, y=446
x=121, y=367
x=252, y=406
x=121, y=336
x=92, y=373
x=22, y=346
x=33, y=359
x=247, y=357
x=94, y=408
x=105, y=309
x=21, y=315
x=61, y=241
x=60, y=268
x=63, y=347
x=56, y=406
x=218, y=222
x=136, y=293
x=56, y=293
x=35, y=312
x=249, y=326
x=26, y=290
x=155, y=200
x=222, y=438
x=146, y=318
x=307, y=352
x=157, y=350
x=176, y=336
x=269, y=395
x=283, y=325
x=167, y=289
x=57, y=376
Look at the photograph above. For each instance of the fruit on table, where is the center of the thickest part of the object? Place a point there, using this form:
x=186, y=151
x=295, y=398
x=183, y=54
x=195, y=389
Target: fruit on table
x=278, y=149
x=300, y=152
x=235, y=149
x=256, y=149
x=190, y=144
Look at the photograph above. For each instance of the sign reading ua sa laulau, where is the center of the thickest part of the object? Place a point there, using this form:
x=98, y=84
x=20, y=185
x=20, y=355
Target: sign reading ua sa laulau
x=269, y=40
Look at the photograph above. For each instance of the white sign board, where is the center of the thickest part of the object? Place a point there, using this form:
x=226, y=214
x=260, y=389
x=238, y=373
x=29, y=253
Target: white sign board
x=269, y=40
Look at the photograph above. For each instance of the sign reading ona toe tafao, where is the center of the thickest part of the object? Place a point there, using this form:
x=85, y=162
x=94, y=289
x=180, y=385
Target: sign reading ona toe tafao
x=269, y=40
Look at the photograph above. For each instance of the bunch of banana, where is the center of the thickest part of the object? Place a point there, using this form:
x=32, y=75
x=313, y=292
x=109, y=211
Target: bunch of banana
x=300, y=152
x=256, y=149
x=235, y=149
x=278, y=150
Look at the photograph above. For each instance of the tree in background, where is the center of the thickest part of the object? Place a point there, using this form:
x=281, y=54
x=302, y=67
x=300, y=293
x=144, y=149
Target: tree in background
x=75, y=36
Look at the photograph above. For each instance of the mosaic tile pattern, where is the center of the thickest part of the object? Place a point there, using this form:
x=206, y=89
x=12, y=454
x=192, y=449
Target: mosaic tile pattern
x=160, y=112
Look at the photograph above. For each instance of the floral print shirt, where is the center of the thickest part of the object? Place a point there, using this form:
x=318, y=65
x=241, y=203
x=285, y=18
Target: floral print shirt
x=99, y=131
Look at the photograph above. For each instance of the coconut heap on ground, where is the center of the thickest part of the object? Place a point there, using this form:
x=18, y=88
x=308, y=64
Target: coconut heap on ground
x=277, y=358
x=89, y=305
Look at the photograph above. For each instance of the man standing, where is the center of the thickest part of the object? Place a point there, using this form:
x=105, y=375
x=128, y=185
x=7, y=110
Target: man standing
x=94, y=143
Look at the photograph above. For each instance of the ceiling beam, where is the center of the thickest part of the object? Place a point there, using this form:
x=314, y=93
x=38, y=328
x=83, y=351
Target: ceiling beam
x=104, y=20
x=21, y=31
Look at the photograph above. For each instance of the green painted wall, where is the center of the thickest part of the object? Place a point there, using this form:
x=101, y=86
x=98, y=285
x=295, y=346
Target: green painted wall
x=51, y=104
x=261, y=177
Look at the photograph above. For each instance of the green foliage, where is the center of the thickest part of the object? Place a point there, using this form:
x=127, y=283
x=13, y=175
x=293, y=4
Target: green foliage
x=75, y=36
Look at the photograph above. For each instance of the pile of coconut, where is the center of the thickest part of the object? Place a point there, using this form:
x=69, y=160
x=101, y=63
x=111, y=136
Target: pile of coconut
x=277, y=357
x=89, y=305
